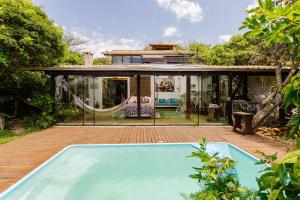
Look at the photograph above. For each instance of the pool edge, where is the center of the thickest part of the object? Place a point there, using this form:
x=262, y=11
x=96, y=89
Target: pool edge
x=59, y=153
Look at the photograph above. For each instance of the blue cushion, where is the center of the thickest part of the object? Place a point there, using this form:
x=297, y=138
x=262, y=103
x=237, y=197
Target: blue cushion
x=161, y=101
x=172, y=100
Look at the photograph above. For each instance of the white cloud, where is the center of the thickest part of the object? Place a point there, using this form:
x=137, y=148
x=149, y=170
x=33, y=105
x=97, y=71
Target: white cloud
x=184, y=9
x=171, y=31
x=97, y=42
x=253, y=5
x=224, y=38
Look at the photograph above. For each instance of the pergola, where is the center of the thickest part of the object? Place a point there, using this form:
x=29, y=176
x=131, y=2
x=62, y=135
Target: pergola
x=188, y=70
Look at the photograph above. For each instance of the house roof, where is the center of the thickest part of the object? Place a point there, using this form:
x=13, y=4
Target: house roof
x=144, y=52
x=157, y=69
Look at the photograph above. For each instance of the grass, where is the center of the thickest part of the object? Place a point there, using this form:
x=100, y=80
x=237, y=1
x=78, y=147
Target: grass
x=8, y=135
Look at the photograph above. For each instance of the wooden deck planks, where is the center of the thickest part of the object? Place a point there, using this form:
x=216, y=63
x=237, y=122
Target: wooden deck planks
x=19, y=157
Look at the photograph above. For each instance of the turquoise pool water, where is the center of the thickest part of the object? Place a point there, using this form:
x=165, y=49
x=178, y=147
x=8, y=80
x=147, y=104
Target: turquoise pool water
x=123, y=172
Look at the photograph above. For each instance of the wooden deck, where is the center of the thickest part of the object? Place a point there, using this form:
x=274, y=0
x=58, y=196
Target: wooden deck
x=19, y=157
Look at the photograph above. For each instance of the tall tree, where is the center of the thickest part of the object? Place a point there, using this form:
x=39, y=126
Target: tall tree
x=27, y=37
x=277, y=23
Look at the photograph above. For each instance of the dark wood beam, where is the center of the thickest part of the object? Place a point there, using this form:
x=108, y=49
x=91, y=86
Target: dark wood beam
x=52, y=92
x=217, y=82
x=138, y=96
x=245, y=97
x=188, y=97
x=229, y=102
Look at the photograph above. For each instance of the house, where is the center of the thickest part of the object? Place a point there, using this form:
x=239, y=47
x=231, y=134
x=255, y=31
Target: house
x=159, y=85
x=169, y=88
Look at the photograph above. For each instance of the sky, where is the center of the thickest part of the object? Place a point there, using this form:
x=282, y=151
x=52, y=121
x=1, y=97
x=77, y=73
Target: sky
x=132, y=24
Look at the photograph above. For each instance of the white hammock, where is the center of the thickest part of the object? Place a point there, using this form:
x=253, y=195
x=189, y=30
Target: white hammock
x=78, y=102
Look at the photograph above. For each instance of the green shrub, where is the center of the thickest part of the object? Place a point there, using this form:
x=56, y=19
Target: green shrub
x=217, y=177
x=46, y=118
x=68, y=112
x=39, y=122
x=292, y=99
x=281, y=180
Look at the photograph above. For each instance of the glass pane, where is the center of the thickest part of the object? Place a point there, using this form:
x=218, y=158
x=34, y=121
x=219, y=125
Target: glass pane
x=117, y=59
x=206, y=97
x=111, y=95
x=70, y=95
x=223, y=98
x=146, y=102
x=89, y=107
x=126, y=59
x=170, y=103
x=136, y=59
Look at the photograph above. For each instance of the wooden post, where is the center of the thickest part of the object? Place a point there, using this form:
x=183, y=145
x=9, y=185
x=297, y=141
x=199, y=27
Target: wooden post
x=229, y=102
x=217, y=79
x=245, y=90
x=138, y=96
x=188, y=97
x=52, y=92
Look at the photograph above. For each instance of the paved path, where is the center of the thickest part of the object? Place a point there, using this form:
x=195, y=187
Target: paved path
x=19, y=157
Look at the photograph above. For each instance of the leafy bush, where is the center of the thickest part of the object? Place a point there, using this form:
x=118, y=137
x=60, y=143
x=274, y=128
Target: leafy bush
x=292, y=98
x=39, y=122
x=217, y=177
x=68, y=112
x=46, y=118
x=281, y=180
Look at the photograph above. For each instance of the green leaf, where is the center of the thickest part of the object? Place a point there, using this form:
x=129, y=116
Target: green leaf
x=298, y=143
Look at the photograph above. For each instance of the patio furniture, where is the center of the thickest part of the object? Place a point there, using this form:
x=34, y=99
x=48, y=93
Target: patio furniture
x=147, y=108
x=247, y=118
x=172, y=102
x=213, y=112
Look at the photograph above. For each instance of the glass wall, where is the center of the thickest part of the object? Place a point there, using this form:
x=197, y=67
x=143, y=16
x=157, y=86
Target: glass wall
x=164, y=100
x=69, y=99
x=171, y=103
x=111, y=96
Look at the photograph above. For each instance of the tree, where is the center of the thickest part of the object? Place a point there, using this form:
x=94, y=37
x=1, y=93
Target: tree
x=199, y=50
x=238, y=50
x=277, y=24
x=221, y=55
x=27, y=37
x=72, y=39
x=292, y=99
x=102, y=61
x=73, y=58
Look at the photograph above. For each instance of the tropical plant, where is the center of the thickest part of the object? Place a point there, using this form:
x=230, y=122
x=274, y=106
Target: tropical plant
x=292, y=99
x=281, y=180
x=277, y=24
x=217, y=177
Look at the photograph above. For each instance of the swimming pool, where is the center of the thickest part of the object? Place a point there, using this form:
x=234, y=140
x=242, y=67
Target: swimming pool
x=124, y=172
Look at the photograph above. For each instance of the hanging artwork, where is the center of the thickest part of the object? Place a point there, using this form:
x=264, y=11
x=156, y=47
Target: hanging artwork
x=165, y=84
